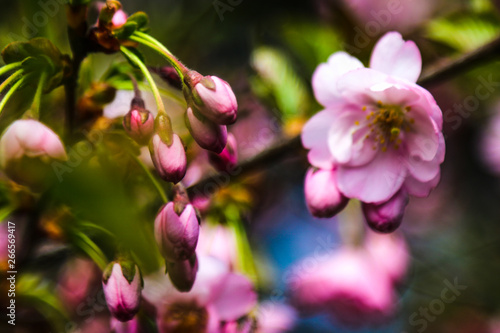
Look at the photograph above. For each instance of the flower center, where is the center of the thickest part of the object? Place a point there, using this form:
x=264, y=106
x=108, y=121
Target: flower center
x=386, y=122
x=184, y=317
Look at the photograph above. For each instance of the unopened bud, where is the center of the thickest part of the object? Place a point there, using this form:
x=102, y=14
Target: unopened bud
x=323, y=197
x=215, y=100
x=139, y=125
x=169, y=161
x=182, y=274
x=122, y=285
x=177, y=233
x=207, y=134
x=387, y=216
x=228, y=158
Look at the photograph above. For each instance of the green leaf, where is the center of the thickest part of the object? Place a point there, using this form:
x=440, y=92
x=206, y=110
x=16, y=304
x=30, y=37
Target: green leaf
x=87, y=245
x=78, y=2
x=40, y=294
x=464, y=32
x=141, y=19
x=41, y=48
x=126, y=30
x=278, y=81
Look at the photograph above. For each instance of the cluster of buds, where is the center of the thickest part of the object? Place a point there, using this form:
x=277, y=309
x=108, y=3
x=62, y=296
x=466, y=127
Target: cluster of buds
x=211, y=107
x=122, y=284
x=176, y=231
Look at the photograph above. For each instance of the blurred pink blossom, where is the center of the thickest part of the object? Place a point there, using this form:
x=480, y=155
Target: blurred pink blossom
x=26, y=148
x=76, y=281
x=377, y=16
x=217, y=295
x=274, y=317
x=220, y=242
x=490, y=143
x=356, y=284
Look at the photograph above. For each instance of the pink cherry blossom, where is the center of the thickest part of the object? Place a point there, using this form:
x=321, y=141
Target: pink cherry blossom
x=379, y=128
x=217, y=295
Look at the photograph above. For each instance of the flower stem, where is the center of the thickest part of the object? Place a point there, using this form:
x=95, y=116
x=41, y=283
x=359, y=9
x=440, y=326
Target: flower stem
x=147, y=40
x=12, y=89
x=10, y=67
x=135, y=59
x=37, y=101
x=157, y=185
x=10, y=79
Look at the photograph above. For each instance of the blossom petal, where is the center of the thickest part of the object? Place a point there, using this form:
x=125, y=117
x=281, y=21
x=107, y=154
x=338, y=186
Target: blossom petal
x=393, y=56
x=374, y=182
x=425, y=171
x=422, y=140
x=326, y=75
x=421, y=189
x=315, y=137
x=236, y=299
x=346, y=139
x=356, y=86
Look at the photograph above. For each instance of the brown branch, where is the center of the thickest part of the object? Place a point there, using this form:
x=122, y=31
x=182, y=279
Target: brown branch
x=440, y=73
x=286, y=148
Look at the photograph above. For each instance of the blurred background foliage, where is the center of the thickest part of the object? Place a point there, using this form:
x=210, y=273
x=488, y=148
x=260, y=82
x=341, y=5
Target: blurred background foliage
x=268, y=51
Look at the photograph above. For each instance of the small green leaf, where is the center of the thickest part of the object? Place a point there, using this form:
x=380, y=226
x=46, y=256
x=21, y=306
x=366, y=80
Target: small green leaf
x=126, y=30
x=87, y=245
x=141, y=19
x=37, y=47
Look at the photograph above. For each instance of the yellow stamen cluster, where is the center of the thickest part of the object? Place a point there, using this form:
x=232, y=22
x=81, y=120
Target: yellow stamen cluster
x=386, y=122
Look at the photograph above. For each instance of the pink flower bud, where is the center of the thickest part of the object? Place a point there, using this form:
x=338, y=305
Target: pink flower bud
x=218, y=102
x=170, y=162
x=323, y=197
x=139, y=125
x=387, y=216
x=122, y=285
x=207, y=134
x=182, y=274
x=119, y=19
x=228, y=158
x=177, y=234
x=26, y=148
